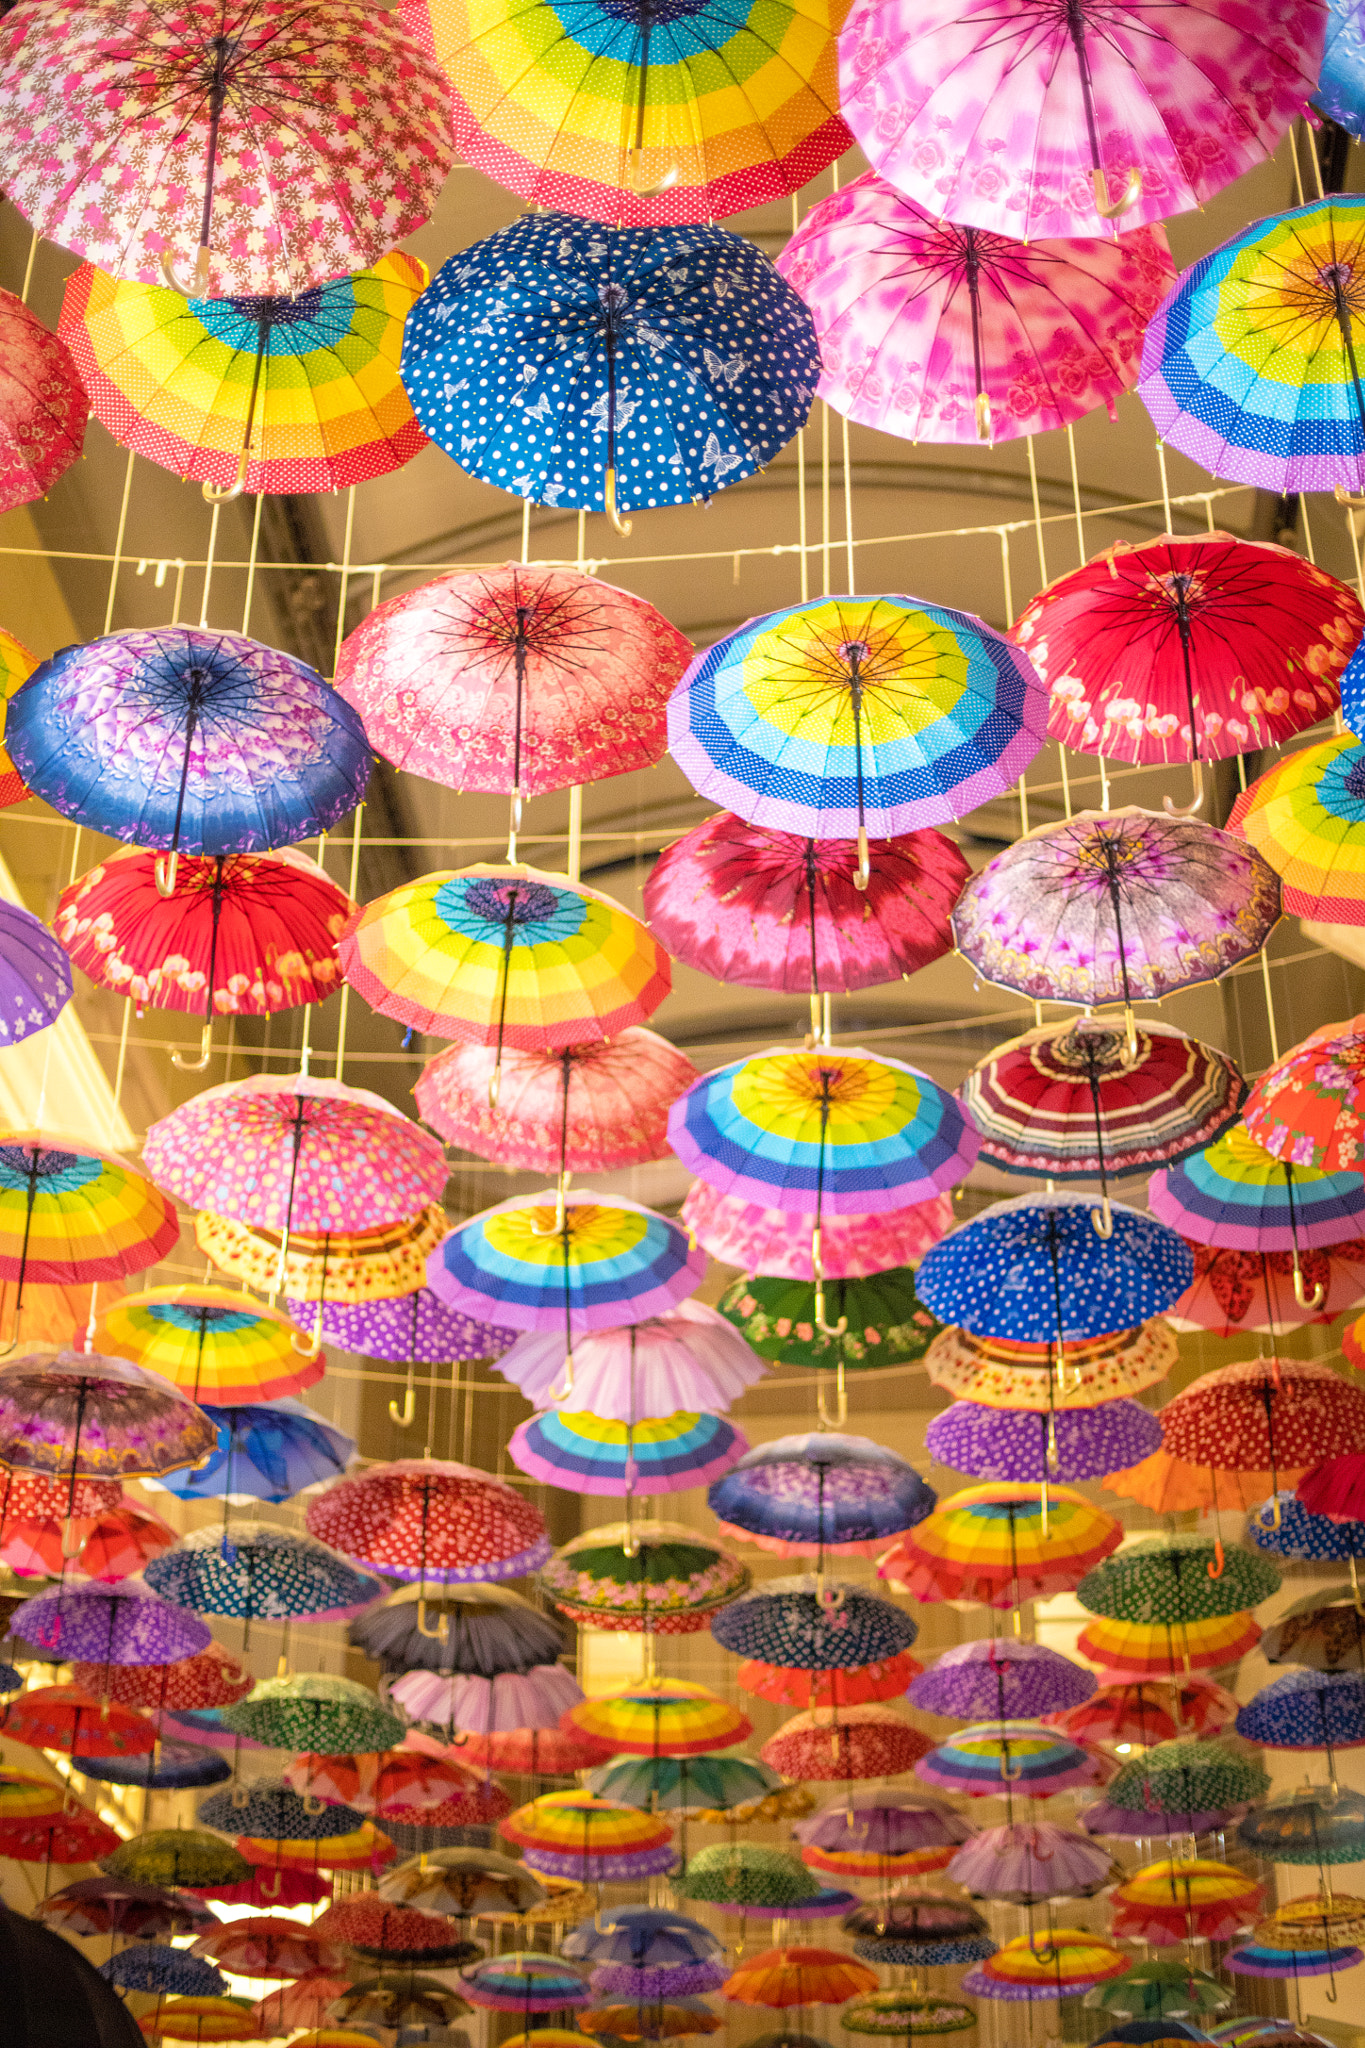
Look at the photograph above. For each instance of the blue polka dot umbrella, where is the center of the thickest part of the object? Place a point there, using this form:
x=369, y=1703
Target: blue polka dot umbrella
x=1307, y=1710
x=169, y=1972
x=801, y=1496
x=271, y=1811
x=258, y=1573
x=785, y=1621
x=576, y=364
x=1283, y=1526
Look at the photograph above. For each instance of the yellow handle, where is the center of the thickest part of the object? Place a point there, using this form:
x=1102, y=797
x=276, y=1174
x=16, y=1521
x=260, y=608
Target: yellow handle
x=1108, y=209
x=185, y=1066
x=619, y=525
x=213, y=496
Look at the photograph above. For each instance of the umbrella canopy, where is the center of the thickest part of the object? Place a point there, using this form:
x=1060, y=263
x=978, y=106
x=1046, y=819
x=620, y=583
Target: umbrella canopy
x=1257, y=1959
x=275, y=1885
x=1307, y=1107
x=1185, y=1900
x=1162, y=1990
x=883, y=1823
x=1177, y=1578
x=1138, y=1649
x=1322, y=1631
x=526, y=1982
x=1143, y=1712
x=585, y=1109
x=850, y=1132
x=1234, y=1193
x=996, y=1373
x=1188, y=649
x=858, y=1324
x=514, y=1700
x=177, y=1857
x=803, y=1495
x=586, y=1454
x=1016, y=1681
x=336, y=1268
x=111, y=1905
x=35, y=975
x=220, y=1346
x=429, y=1519
x=651, y=2020
x=1307, y=1710
x=766, y=1241
x=869, y=1741
x=648, y=1578
x=675, y=1980
x=43, y=411
x=1104, y=1818
x=405, y=1328
x=860, y=718
x=986, y=1759
x=26, y=1793
x=523, y=678
x=260, y=1573
x=813, y=1624
x=749, y=1876
x=576, y=1834
x=687, y=1784
x=1167, y=1485
x=171, y=1766
x=572, y=1264
x=1301, y=816
x=116, y=1624
x=1312, y=1921
x=1204, y=380
x=667, y=1718
x=365, y=1921
x=612, y=366
x=155, y=737
x=1055, y=1964
x=799, y=1976
x=933, y=331
x=1116, y=907
x=765, y=909
x=269, y=1450
x=1268, y=1414
x=906, y=2015
x=1026, y=1862
x=205, y=2018
x=690, y=1359
x=16, y=666
x=363, y=1848
x=75, y=1837
x=480, y=1629
x=1285, y=1526
x=268, y=1810
x=1088, y=120
x=1034, y=1270
x=1188, y=1776
x=310, y=149
x=465, y=1883
x=75, y=1412
x=313, y=1712
x=642, y=1936
x=992, y=1543
x=1236, y=1291
x=1081, y=1443
x=211, y=1678
x=71, y=1214
x=156, y=1967
x=398, y=2000
x=107, y=1545
x=1312, y=1824
x=284, y=393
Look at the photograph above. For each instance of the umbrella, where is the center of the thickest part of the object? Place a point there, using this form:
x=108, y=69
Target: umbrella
x=907, y=2015
x=803, y=1496
x=533, y=1752
x=177, y=1857
x=119, y=1624
x=1161, y=1990
x=1116, y=907
x=686, y=1785
x=917, y=1919
x=993, y=1372
x=75, y=1837
x=1137, y=1649
x=1069, y=1101
x=26, y=1793
x=258, y=1573
x=526, y=1982
x=642, y=1936
x=652, y=2020
x=188, y=738
x=1310, y=1824
x=76, y=1214
x=1104, y=1818
x=1176, y=1579
x=1237, y=1291
x=480, y=1629
x=870, y=1741
x=1168, y=1485
x=1268, y=1414
x=1026, y=1862
x=1234, y=1193
x=992, y=1757
x=1322, y=1631
x=749, y=1876
x=992, y=1543
x=265, y=1947
x=515, y=1699
x=864, y=1323
x=1302, y=815
x=857, y=718
x=269, y=1450
x=1143, y=1712
x=110, y=1905
x=16, y=666
x=1187, y=1776
x=399, y=2000
x=465, y=1883
x=268, y=1810
x=1307, y=1710
x=218, y=1345
x=690, y=1358
x=758, y=908
x=613, y=366
x=107, y=1544
x=1340, y=91
x=43, y=411
x=365, y=1921
x=1081, y=1443
x=332, y=1267
x=1275, y=286
x=313, y=1711
x=799, y=1976
x=75, y=1413
x=431, y=1519
x=786, y=1685
x=760, y=1240
x=1307, y=1107
x=211, y=1678
x=932, y=331
x=791, y=1621
x=35, y=975
x=504, y=956
x=649, y=1578
x=1088, y=122
x=523, y=679
x=597, y=1841
x=1059, y=1963
x=1256, y=1959
x=293, y=392
x=266, y=1886
x=1307, y=1923
x=1014, y=1680
x=1190, y=648
x=665, y=1718
x=1286, y=1526
x=202, y=2019
x=171, y=1766
x=311, y=149
x=403, y=1328
x=676, y=1980
x=154, y=1966
x=885, y=1823
x=1035, y=1270
x=585, y=1109
x=1193, y=1899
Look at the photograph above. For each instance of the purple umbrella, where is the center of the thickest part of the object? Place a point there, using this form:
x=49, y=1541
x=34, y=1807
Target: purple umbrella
x=1105, y=1819
x=123, y=1623
x=405, y=1328
x=35, y=975
x=1016, y=1681
x=1027, y=1861
x=821, y=1905
x=884, y=1823
x=1012, y=1445
x=659, y=1980
x=1258, y=1960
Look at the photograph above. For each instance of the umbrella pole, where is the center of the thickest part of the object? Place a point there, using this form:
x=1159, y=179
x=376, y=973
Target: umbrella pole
x=1343, y=313
x=30, y=1199
x=1053, y=1455
x=1102, y=1219
x=862, y=874
x=164, y=871
x=618, y=525
x=402, y=1416
x=1106, y=208
x=972, y=265
x=509, y=926
x=523, y=613
x=818, y=1033
x=1182, y=619
x=70, y=1545
x=1128, y=1057
x=289, y=1199
x=206, y=1040
x=1303, y=1296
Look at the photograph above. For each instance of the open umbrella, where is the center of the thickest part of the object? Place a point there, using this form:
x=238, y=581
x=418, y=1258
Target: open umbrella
x=870, y=1741
x=314, y=1711
x=862, y=1324
x=16, y=666
x=200, y=2019
x=1235, y=1291
x=43, y=412
x=648, y=1578
x=481, y=1629
x=77, y=1413
x=221, y=1347
x=690, y=1358
x=268, y=1450
x=1026, y=1862
x=1191, y=1899
x=803, y=1496
x=589, y=1454
x=213, y=1677
x=1307, y=1710
x=994, y=1372
x=404, y=1328
x=1302, y=816
x=1188, y=1776
x=993, y=1543
x=178, y=1857
x=1177, y=1578
x=1271, y=1414
x=77, y=1836
x=258, y=1573
x=790, y=1621
x=68, y=1718
x=762, y=1241
x=856, y=718
x=171, y=1766
x=367, y=1923
x=70, y=1214
x=1307, y=1107
x=1058, y=1963
x=297, y=392
x=907, y=2015
x=336, y=1268
x=119, y=1624
x=1340, y=92
x=107, y=1546
x=187, y=738
x=1056, y=127
x=597, y=1841
x=578, y=364
x=749, y=1876
x=1286, y=1526
x=1142, y=1649
x=1016, y=1681
x=156, y=1967
x=1147, y=1711
x=1009, y=1444
x=665, y=1717
x=1322, y=1631
x=650, y=2019
x=1260, y=1959
x=702, y=1784
x=934, y=331
x=35, y=975
x=799, y=1976
x=398, y=2000
x=431, y=1520
x=1161, y=1990
x=994, y=1757
x=465, y=1883
x=122, y=1906
x=1237, y=1194
x=1310, y=1824
x=263, y=1947
x=306, y=150
x=886, y=1824
x=1313, y=1921
x=514, y=1699
x=526, y=1982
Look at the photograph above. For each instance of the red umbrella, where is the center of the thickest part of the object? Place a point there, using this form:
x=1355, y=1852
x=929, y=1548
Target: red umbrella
x=1146, y=1711
x=303, y=2003
x=1306, y=1110
x=483, y=1804
x=1270, y=1414
x=69, y=1718
x=772, y=910
x=1190, y=649
x=366, y=1921
x=265, y=1947
x=74, y=1837
x=535, y=1752
x=787, y=1687
x=271, y=1885
x=422, y=1516
x=212, y=1678
x=257, y=929
x=1234, y=1291
x=43, y=407
x=31, y=1496
x=108, y=1546
x=857, y=1742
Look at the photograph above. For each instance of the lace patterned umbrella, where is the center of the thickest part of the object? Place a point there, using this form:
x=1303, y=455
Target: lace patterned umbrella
x=77, y=1413
x=649, y=1578
x=1027, y=1862
x=903, y=2015
x=993, y=1372
x=326, y=1268
x=43, y=413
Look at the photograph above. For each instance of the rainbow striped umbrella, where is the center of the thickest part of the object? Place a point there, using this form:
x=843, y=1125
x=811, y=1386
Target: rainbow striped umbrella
x=995, y=1544
x=1057, y=1963
x=70, y=1214
x=588, y=1454
x=16, y=666
x=667, y=1718
x=223, y=1347
x=850, y=1132
x=261, y=394
x=995, y=1756
x=854, y=716
x=1142, y=1649
x=596, y=1841
x=1235, y=1194
x=1306, y=818
x=646, y=117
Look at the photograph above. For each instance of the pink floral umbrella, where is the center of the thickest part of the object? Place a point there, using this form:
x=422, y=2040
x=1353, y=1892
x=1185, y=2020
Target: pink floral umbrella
x=770, y=1241
x=937, y=332
x=43, y=406
x=1051, y=121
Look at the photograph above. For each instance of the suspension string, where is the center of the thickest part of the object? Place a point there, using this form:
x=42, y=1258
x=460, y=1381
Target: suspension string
x=344, y=590
x=122, y=1052
x=28, y=267
x=343, y=1010
x=1165, y=485
x=1307, y=529
x=1269, y=1006
x=208, y=563
x=1076, y=491
x=824, y=499
x=848, y=508
x=252, y=554
x=525, y=530
x=1298, y=173
x=1312, y=156
x=117, y=562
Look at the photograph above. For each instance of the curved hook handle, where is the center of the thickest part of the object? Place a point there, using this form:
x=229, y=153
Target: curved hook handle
x=1276, y=1512
x=72, y=1543
x=832, y=1598
x=311, y=1346
x=312, y=1804
x=213, y=496
x=840, y=1416
x=562, y=1392
x=1102, y=1219
x=619, y=525
x=1011, y=1774
x=404, y=1416
x=630, y=1542
x=984, y=429
x=1114, y=209
x=240, y=1797
x=1129, y=1055
x=1307, y=1298
x=185, y=1066
x=198, y=286
x=1344, y=497
x=862, y=874
x=164, y=872
x=441, y=1632
x=1192, y=809
x=271, y=1891
x=1215, y=1570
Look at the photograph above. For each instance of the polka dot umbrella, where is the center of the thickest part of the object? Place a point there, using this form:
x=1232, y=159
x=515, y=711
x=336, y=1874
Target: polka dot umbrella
x=668, y=1717
x=1175, y=1579
x=66, y=1717
x=1286, y=1527
x=1303, y=817
x=35, y=975
x=1014, y=1680
x=870, y=1741
x=1307, y=1710
x=211, y=1678
x=1188, y=1776
x=1270, y=1414
x=789, y=1621
x=177, y=1857
x=431, y=1520
x=596, y=1841
x=314, y=1711
x=260, y=1573
x=1159, y=1991
x=994, y=1543
x=379, y=1928
x=1021, y=1444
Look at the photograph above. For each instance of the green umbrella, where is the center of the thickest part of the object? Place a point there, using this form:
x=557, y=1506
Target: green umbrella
x=1160, y=1991
x=314, y=1714
x=171, y=1857
x=1187, y=1777
x=1173, y=1579
x=684, y=1784
x=885, y=1322
x=899, y=2013
x=1313, y=1824
x=743, y=1874
x=660, y=1577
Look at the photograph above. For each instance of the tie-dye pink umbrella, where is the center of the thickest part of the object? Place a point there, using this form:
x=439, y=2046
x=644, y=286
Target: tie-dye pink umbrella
x=759, y=1240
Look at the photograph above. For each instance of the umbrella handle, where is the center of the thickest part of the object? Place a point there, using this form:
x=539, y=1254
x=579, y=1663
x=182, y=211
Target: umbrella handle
x=1011, y=1772
x=862, y=874
x=840, y=1416
x=404, y=1416
x=441, y=1632
x=1102, y=1219
x=185, y=1066
x=1192, y=809
x=164, y=872
x=212, y=496
x=1303, y=1295
x=618, y=524
x=1129, y=1055
x=311, y=1346
x=1215, y=1569
x=198, y=286
x=1345, y=497
x=1108, y=209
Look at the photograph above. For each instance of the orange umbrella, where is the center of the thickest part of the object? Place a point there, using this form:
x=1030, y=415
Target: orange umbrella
x=1169, y=1486
x=867, y=1863
x=303, y=2003
x=362, y=1849
x=652, y=2019
x=1134, y=1649
x=69, y=1718
x=265, y=1947
x=799, y=1976
x=75, y=1837
x=785, y=1686
x=201, y=2019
